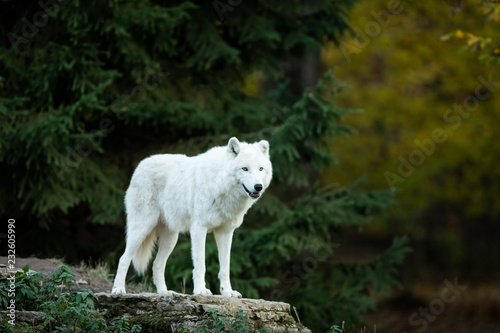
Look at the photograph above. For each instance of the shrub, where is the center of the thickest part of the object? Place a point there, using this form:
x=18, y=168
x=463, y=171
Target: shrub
x=71, y=311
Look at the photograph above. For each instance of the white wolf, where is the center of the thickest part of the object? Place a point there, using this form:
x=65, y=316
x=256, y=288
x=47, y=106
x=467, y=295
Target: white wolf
x=210, y=192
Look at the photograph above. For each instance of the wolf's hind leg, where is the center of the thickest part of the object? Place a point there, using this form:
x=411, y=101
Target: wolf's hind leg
x=166, y=243
x=140, y=242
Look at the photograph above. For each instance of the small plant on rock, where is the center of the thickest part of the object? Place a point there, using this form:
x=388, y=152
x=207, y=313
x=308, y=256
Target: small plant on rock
x=72, y=311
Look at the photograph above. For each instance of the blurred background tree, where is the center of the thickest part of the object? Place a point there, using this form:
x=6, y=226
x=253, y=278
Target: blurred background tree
x=488, y=46
x=411, y=80
x=88, y=89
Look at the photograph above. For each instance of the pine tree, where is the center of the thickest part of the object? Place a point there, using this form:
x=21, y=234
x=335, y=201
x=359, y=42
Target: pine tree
x=88, y=89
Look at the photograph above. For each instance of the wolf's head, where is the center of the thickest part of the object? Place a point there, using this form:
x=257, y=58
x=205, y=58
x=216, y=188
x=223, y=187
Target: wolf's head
x=250, y=166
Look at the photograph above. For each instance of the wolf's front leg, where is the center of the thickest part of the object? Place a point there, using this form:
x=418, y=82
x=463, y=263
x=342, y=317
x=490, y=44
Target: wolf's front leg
x=198, y=238
x=224, y=238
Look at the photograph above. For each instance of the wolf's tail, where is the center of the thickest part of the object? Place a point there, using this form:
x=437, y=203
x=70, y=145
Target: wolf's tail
x=143, y=253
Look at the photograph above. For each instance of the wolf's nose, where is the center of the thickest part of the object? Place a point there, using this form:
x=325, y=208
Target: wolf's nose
x=258, y=187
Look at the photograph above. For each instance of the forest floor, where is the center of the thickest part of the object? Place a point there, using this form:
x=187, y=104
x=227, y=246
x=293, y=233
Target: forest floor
x=451, y=307
x=94, y=279
x=432, y=309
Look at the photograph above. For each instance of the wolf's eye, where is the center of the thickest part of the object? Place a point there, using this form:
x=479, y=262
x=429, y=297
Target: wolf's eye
x=244, y=169
x=261, y=168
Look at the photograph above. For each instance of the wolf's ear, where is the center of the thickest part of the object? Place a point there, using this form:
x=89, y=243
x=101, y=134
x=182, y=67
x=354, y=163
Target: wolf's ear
x=264, y=146
x=233, y=146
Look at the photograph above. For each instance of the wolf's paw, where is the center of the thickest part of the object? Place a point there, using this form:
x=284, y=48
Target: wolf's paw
x=230, y=293
x=118, y=290
x=202, y=292
x=165, y=292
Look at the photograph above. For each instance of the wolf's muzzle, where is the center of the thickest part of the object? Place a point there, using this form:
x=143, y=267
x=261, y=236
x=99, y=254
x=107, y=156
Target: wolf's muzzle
x=256, y=194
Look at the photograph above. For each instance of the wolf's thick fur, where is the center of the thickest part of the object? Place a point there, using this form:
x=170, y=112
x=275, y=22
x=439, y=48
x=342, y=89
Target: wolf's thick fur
x=210, y=192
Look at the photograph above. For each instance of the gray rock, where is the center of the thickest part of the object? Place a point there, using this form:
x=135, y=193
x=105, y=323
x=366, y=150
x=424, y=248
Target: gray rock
x=31, y=317
x=158, y=313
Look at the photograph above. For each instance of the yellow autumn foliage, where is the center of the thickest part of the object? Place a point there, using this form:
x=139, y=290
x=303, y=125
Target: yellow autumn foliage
x=431, y=119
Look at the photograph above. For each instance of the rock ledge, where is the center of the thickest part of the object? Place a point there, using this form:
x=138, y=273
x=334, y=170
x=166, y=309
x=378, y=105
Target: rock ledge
x=157, y=313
